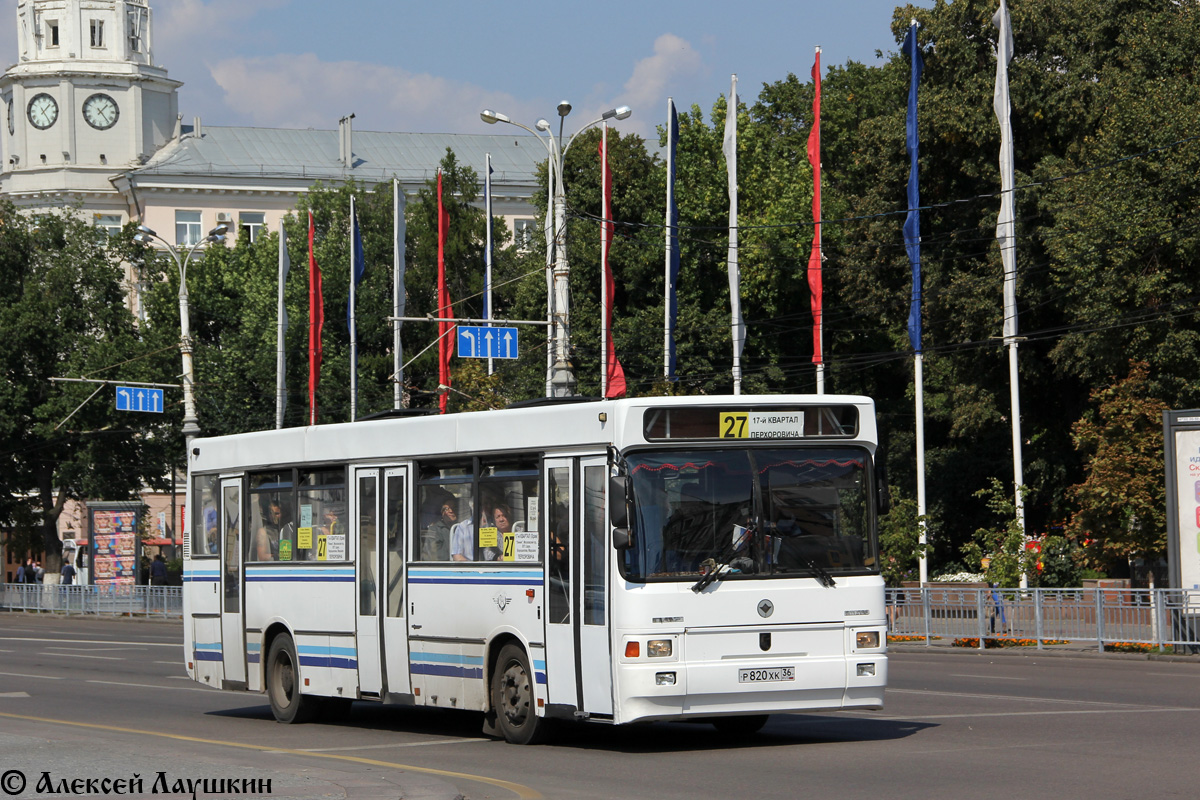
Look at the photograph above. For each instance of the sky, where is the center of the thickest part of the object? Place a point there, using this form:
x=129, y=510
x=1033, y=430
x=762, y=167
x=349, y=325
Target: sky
x=403, y=65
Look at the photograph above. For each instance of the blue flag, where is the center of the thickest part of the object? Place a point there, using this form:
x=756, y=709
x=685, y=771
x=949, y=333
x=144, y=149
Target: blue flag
x=912, y=223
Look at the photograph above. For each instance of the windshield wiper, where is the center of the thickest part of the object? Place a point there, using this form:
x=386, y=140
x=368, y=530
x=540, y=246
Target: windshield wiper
x=718, y=569
x=822, y=574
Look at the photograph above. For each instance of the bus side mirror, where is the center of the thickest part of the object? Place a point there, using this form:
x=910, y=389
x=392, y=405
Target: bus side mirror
x=618, y=511
x=622, y=538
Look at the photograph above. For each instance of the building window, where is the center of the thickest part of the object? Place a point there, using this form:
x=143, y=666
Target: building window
x=52, y=33
x=187, y=228
x=252, y=224
x=523, y=231
x=97, y=33
x=111, y=223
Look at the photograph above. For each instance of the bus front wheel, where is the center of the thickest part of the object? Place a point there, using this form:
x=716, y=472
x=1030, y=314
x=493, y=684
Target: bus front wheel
x=512, y=698
x=288, y=704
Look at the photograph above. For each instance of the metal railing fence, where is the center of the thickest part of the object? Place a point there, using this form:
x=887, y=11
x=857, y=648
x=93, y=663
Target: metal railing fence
x=149, y=601
x=1156, y=618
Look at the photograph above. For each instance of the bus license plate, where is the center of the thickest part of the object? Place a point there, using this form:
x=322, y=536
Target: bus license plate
x=768, y=675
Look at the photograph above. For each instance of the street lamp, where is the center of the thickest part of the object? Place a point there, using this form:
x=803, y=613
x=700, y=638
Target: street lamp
x=191, y=428
x=561, y=378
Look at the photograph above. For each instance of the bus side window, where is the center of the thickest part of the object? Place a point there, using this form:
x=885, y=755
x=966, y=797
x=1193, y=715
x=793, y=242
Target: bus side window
x=558, y=560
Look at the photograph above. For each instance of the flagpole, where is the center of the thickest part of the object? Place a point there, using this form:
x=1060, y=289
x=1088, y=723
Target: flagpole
x=912, y=243
x=398, y=299
x=550, y=315
x=818, y=255
x=487, y=254
x=353, y=331
x=668, y=283
x=1006, y=237
x=280, y=354
x=737, y=326
x=604, y=300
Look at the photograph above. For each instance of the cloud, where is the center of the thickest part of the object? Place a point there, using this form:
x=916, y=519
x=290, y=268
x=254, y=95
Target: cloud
x=653, y=79
x=302, y=91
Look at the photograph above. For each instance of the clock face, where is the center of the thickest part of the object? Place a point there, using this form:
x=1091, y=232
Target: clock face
x=100, y=111
x=43, y=111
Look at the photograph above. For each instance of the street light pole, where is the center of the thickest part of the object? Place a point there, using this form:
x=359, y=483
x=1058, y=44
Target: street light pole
x=561, y=380
x=191, y=426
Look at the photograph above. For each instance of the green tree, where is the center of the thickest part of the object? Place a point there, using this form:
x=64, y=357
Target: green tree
x=62, y=314
x=1122, y=501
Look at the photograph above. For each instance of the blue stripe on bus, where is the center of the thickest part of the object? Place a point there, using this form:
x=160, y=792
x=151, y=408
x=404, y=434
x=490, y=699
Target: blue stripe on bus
x=484, y=581
x=253, y=652
x=447, y=658
x=313, y=578
x=451, y=571
x=207, y=651
x=201, y=576
x=541, y=677
x=447, y=670
x=316, y=649
x=327, y=661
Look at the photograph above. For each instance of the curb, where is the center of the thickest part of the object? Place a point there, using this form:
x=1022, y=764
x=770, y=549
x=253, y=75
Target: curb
x=1032, y=652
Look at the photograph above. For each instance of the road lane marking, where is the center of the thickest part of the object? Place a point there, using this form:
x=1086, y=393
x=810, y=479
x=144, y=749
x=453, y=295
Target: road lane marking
x=90, y=649
x=1064, y=712
x=92, y=641
x=152, y=686
x=81, y=655
x=397, y=744
x=1019, y=698
x=985, y=677
x=23, y=675
x=521, y=791
x=14, y=694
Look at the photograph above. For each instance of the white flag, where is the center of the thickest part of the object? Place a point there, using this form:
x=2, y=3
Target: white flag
x=730, y=150
x=1005, y=223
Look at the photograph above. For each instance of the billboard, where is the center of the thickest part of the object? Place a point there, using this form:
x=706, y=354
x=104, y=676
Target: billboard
x=1181, y=433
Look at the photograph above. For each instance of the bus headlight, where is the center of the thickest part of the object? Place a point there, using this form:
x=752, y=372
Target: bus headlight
x=866, y=670
x=864, y=640
x=664, y=679
x=658, y=648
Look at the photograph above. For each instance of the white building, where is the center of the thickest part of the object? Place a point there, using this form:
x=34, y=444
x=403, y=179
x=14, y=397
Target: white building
x=94, y=123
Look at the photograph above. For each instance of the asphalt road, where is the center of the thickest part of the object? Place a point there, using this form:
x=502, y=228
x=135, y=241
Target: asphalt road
x=100, y=698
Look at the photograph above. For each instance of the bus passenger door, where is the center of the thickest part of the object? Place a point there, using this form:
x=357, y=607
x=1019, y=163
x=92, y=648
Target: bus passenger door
x=233, y=628
x=591, y=564
x=380, y=497
x=366, y=560
x=561, y=673
x=394, y=552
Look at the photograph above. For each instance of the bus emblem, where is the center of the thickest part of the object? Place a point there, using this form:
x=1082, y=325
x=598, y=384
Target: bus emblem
x=766, y=608
x=501, y=600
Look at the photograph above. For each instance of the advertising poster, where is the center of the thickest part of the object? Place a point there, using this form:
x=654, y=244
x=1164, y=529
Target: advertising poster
x=114, y=547
x=1187, y=476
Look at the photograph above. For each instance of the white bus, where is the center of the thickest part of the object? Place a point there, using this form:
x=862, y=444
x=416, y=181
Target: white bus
x=687, y=558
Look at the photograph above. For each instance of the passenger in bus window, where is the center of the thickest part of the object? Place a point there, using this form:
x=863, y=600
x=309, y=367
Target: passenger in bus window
x=435, y=541
x=462, y=540
x=274, y=527
x=502, y=520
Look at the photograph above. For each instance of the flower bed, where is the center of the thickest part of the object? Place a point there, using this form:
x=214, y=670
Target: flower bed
x=1129, y=647
x=908, y=638
x=994, y=642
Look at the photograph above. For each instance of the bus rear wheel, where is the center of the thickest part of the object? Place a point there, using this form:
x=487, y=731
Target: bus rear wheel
x=288, y=704
x=512, y=698
x=740, y=727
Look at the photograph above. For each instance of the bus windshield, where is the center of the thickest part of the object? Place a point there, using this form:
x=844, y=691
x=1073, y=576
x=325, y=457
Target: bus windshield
x=772, y=512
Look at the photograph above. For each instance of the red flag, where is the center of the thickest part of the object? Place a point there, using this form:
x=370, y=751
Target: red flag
x=614, y=374
x=446, y=332
x=316, y=321
x=814, y=258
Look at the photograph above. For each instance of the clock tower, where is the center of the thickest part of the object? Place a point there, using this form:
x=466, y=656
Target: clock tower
x=84, y=103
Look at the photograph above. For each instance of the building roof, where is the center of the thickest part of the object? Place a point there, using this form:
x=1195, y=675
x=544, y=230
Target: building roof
x=313, y=155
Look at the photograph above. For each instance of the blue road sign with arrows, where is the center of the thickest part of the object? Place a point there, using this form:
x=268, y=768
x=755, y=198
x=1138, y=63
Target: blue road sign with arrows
x=480, y=341
x=139, y=398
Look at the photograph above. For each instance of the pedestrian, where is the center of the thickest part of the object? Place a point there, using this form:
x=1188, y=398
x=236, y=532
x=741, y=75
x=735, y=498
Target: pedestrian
x=158, y=571
x=39, y=573
x=68, y=573
x=24, y=575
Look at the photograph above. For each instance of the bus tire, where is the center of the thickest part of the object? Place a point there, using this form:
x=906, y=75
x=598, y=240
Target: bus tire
x=288, y=703
x=740, y=727
x=512, y=698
